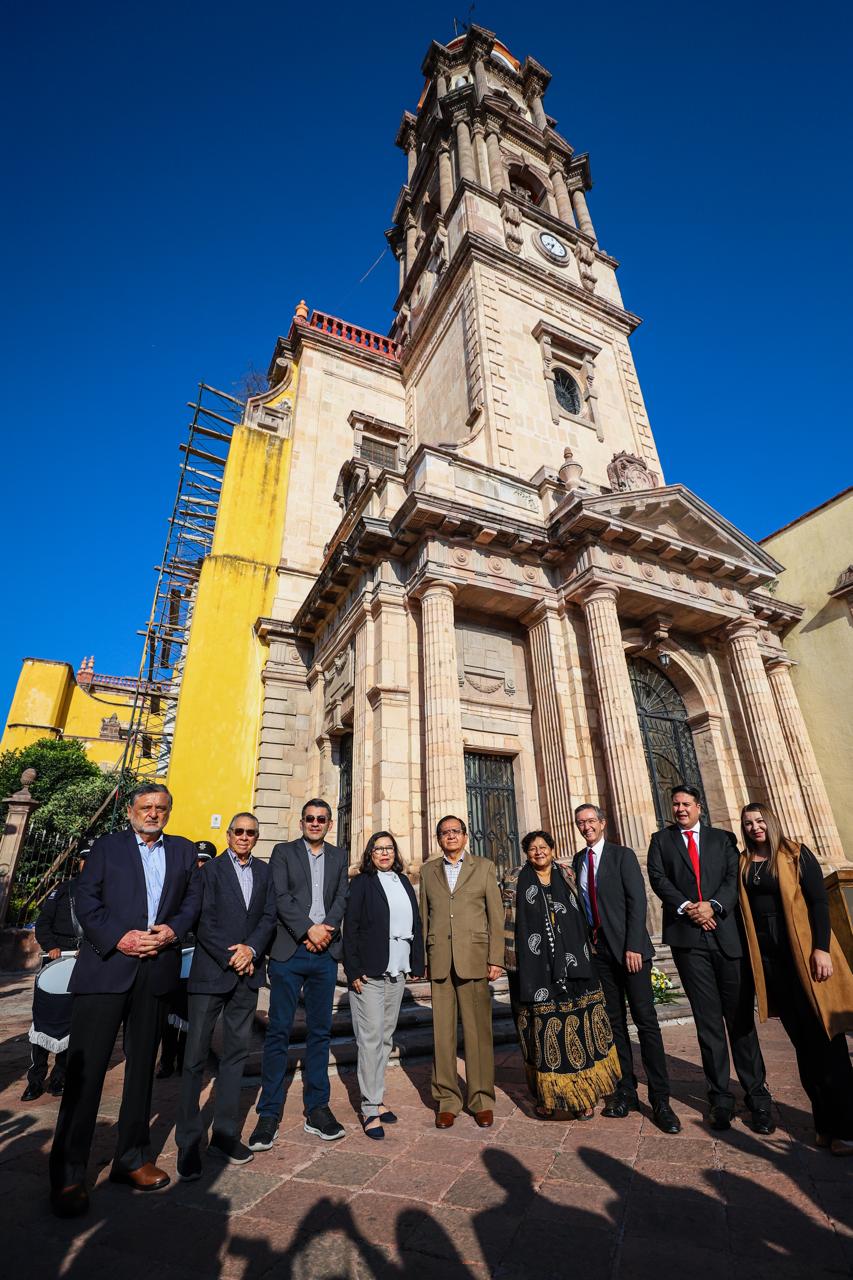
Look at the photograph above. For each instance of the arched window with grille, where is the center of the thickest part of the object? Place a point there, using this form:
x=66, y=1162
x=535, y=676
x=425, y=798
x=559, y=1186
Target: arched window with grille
x=667, y=738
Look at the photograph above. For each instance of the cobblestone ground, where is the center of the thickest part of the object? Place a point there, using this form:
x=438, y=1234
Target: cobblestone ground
x=598, y=1200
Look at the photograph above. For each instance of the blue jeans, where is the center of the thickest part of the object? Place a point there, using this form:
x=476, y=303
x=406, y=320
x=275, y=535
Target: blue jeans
x=313, y=976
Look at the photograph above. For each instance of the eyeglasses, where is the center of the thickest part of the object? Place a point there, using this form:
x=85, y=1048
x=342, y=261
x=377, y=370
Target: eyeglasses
x=450, y=831
x=384, y=848
x=316, y=820
x=245, y=831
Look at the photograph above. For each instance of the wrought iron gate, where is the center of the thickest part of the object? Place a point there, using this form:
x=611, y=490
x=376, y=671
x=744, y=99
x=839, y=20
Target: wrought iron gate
x=343, y=837
x=667, y=740
x=492, y=820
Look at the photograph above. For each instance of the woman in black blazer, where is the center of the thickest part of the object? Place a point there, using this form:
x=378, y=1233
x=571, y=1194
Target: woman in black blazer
x=383, y=944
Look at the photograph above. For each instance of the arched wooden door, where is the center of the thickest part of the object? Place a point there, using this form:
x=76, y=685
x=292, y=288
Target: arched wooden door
x=667, y=740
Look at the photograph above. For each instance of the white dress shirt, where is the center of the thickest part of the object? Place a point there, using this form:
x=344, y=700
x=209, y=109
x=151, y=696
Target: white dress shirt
x=582, y=878
x=154, y=869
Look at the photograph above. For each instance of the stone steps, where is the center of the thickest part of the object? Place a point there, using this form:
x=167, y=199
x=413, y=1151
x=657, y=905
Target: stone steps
x=413, y=1038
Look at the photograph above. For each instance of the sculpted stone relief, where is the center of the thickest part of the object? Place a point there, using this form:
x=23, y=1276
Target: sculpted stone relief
x=627, y=472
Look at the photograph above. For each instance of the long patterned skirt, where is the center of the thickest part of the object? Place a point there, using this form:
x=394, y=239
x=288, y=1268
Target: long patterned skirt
x=568, y=1049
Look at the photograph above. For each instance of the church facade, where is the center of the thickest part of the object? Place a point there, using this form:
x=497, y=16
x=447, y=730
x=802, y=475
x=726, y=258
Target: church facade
x=474, y=592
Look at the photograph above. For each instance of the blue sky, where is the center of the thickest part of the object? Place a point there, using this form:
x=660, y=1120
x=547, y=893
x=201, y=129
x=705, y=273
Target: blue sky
x=179, y=176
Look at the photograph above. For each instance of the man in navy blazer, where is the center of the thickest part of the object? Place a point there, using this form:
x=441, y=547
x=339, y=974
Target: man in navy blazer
x=693, y=869
x=137, y=897
x=233, y=933
x=310, y=884
x=614, y=898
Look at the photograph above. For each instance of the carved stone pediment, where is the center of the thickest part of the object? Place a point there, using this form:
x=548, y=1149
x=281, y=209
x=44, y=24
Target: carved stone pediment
x=673, y=524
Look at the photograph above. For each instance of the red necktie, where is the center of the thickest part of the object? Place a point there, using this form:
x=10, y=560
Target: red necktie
x=590, y=888
x=693, y=850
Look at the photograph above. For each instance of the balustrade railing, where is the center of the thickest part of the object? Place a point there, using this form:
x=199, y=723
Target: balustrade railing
x=352, y=334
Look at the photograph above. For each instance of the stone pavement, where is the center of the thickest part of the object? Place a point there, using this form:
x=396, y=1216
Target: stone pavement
x=601, y=1200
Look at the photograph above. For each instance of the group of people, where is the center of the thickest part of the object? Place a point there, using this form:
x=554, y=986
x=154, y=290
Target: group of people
x=569, y=931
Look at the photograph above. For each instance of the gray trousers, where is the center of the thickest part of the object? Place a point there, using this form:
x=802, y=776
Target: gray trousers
x=237, y=1008
x=374, y=1019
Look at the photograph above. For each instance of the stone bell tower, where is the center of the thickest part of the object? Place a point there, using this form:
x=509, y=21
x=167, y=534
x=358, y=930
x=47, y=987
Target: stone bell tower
x=509, y=314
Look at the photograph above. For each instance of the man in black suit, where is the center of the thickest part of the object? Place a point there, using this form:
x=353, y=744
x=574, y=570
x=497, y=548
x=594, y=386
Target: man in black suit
x=693, y=869
x=310, y=884
x=614, y=897
x=232, y=935
x=137, y=897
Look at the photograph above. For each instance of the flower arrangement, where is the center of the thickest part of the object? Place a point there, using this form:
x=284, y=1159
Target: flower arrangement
x=663, y=990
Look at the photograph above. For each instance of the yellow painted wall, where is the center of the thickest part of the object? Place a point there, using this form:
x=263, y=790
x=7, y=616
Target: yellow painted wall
x=815, y=551
x=214, y=751
x=49, y=703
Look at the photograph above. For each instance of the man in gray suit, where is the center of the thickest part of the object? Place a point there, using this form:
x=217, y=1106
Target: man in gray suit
x=310, y=885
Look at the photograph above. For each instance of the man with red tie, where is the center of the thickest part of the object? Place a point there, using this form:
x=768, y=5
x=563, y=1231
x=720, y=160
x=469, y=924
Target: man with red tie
x=693, y=870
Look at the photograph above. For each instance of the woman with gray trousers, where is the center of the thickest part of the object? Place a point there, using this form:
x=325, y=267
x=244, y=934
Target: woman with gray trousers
x=383, y=945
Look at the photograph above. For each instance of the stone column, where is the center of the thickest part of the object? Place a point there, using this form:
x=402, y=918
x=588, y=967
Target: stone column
x=827, y=842
x=21, y=806
x=549, y=668
x=631, y=805
x=445, y=177
x=362, y=741
x=561, y=194
x=482, y=155
x=766, y=738
x=534, y=102
x=401, y=263
x=582, y=212
x=411, y=241
x=481, y=84
x=411, y=158
x=389, y=699
x=497, y=173
x=464, y=152
x=445, y=764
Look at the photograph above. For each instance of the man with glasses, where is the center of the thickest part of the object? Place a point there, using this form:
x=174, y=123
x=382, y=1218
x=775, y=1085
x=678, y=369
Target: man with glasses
x=236, y=924
x=463, y=921
x=310, y=887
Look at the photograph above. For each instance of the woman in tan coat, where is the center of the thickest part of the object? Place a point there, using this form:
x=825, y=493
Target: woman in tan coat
x=801, y=974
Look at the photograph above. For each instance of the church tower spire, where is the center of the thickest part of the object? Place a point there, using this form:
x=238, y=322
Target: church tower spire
x=497, y=249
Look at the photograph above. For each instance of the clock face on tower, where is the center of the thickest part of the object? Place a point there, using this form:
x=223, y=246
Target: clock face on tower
x=552, y=246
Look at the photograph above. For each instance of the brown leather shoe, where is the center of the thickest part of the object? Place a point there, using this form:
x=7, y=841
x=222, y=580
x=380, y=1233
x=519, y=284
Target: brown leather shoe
x=485, y=1119
x=444, y=1120
x=146, y=1178
x=69, y=1202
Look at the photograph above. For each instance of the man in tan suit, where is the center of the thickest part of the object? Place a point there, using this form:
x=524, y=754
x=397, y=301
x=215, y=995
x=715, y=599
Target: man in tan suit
x=463, y=923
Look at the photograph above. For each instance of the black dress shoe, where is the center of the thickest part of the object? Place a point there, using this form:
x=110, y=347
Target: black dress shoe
x=32, y=1092
x=55, y=1088
x=69, y=1202
x=616, y=1107
x=164, y=1072
x=665, y=1118
x=189, y=1163
x=720, y=1118
x=762, y=1122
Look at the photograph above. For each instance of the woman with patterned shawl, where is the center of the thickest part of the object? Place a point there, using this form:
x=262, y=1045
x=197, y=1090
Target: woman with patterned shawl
x=562, y=1022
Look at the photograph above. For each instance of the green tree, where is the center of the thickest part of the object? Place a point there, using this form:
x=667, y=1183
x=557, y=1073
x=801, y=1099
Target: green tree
x=57, y=762
x=70, y=787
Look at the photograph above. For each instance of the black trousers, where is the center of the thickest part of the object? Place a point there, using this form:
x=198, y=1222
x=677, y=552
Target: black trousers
x=237, y=1008
x=721, y=997
x=95, y=1021
x=826, y=1072
x=622, y=991
x=39, y=1058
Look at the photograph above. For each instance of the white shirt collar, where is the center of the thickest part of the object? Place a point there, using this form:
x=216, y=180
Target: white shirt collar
x=597, y=847
x=695, y=830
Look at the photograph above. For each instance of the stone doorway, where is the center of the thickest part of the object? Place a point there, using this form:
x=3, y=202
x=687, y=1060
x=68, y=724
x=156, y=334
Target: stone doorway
x=667, y=739
x=492, y=818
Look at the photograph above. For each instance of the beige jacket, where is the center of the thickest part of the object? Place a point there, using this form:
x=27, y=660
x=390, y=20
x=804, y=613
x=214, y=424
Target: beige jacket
x=465, y=929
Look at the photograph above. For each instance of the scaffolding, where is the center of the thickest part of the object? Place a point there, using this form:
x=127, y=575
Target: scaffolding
x=188, y=543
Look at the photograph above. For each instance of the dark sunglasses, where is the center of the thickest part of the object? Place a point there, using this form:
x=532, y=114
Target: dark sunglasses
x=316, y=821
x=244, y=831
